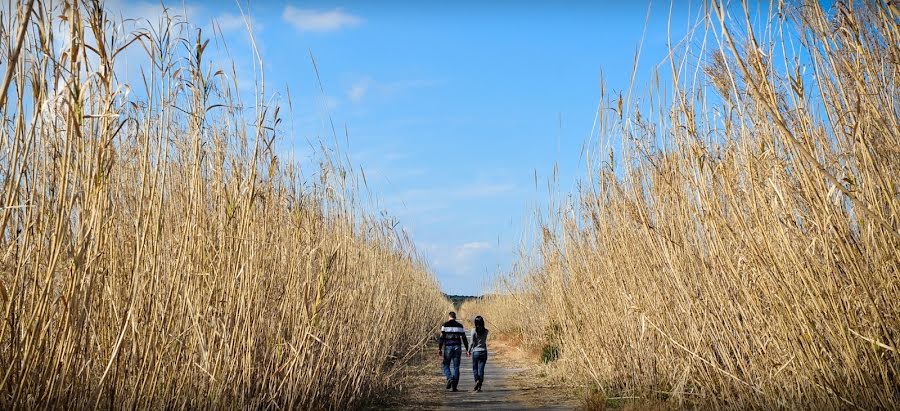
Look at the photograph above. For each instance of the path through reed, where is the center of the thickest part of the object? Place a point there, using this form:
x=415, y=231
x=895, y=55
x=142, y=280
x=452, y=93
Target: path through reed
x=509, y=384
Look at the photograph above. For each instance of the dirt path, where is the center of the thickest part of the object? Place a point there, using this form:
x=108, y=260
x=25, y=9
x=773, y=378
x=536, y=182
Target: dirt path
x=509, y=384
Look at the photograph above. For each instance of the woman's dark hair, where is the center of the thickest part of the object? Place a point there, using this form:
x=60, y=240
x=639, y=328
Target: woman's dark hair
x=479, y=325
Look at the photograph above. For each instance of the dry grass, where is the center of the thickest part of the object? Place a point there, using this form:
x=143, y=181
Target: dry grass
x=510, y=316
x=155, y=251
x=742, y=251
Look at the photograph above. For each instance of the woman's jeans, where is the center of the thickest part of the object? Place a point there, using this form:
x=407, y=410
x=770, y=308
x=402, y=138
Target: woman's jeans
x=479, y=359
x=452, y=353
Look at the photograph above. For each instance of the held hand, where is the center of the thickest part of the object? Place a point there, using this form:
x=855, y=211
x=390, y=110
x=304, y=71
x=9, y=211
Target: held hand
x=468, y=353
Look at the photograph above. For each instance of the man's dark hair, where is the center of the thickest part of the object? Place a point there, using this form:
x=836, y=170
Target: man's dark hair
x=452, y=315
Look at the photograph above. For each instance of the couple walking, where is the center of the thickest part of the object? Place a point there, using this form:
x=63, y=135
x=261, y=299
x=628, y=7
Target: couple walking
x=453, y=338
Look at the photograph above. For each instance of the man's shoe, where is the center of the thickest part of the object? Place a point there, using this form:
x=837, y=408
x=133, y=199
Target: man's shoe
x=449, y=384
x=454, y=386
x=478, y=386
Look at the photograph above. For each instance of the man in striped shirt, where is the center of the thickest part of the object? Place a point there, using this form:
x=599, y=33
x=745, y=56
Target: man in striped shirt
x=453, y=337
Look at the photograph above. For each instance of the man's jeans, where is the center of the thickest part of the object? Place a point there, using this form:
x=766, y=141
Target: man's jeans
x=479, y=359
x=452, y=353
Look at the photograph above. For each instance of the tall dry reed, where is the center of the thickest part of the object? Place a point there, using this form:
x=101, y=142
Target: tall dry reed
x=742, y=251
x=157, y=253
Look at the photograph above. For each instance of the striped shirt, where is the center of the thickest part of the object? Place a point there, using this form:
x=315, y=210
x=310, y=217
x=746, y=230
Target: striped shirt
x=453, y=334
x=479, y=340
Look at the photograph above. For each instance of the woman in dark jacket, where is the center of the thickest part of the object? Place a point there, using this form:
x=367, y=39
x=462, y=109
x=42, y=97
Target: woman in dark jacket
x=479, y=351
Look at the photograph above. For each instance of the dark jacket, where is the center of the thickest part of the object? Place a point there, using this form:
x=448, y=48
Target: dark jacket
x=453, y=333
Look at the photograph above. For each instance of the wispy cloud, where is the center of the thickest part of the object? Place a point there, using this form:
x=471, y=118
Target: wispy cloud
x=358, y=91
x=367, y=86
x=477, y=245
x=318, y=20
x=332, y=103
x=434, y=205
x=229, y=22
x=151, y=11
x=447, y=196
x=485, y=190
x=457, y=258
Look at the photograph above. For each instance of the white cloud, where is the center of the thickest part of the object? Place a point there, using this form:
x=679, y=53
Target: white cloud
x=332, y=103
x=234, y=22
x=486, y=190
x=319, y=21
x=437, y=204
x=358, y=91
x=432, y=199
x=397, y=156
x=477, y=245
x=153, y=12
x=457, y=258
x=367, y=86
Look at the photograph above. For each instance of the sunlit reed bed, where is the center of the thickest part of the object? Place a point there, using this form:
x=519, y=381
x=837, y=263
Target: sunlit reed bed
x=740, y=248
x=157, y=252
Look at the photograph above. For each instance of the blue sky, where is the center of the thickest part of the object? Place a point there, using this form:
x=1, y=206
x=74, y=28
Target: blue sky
x=452, y=108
